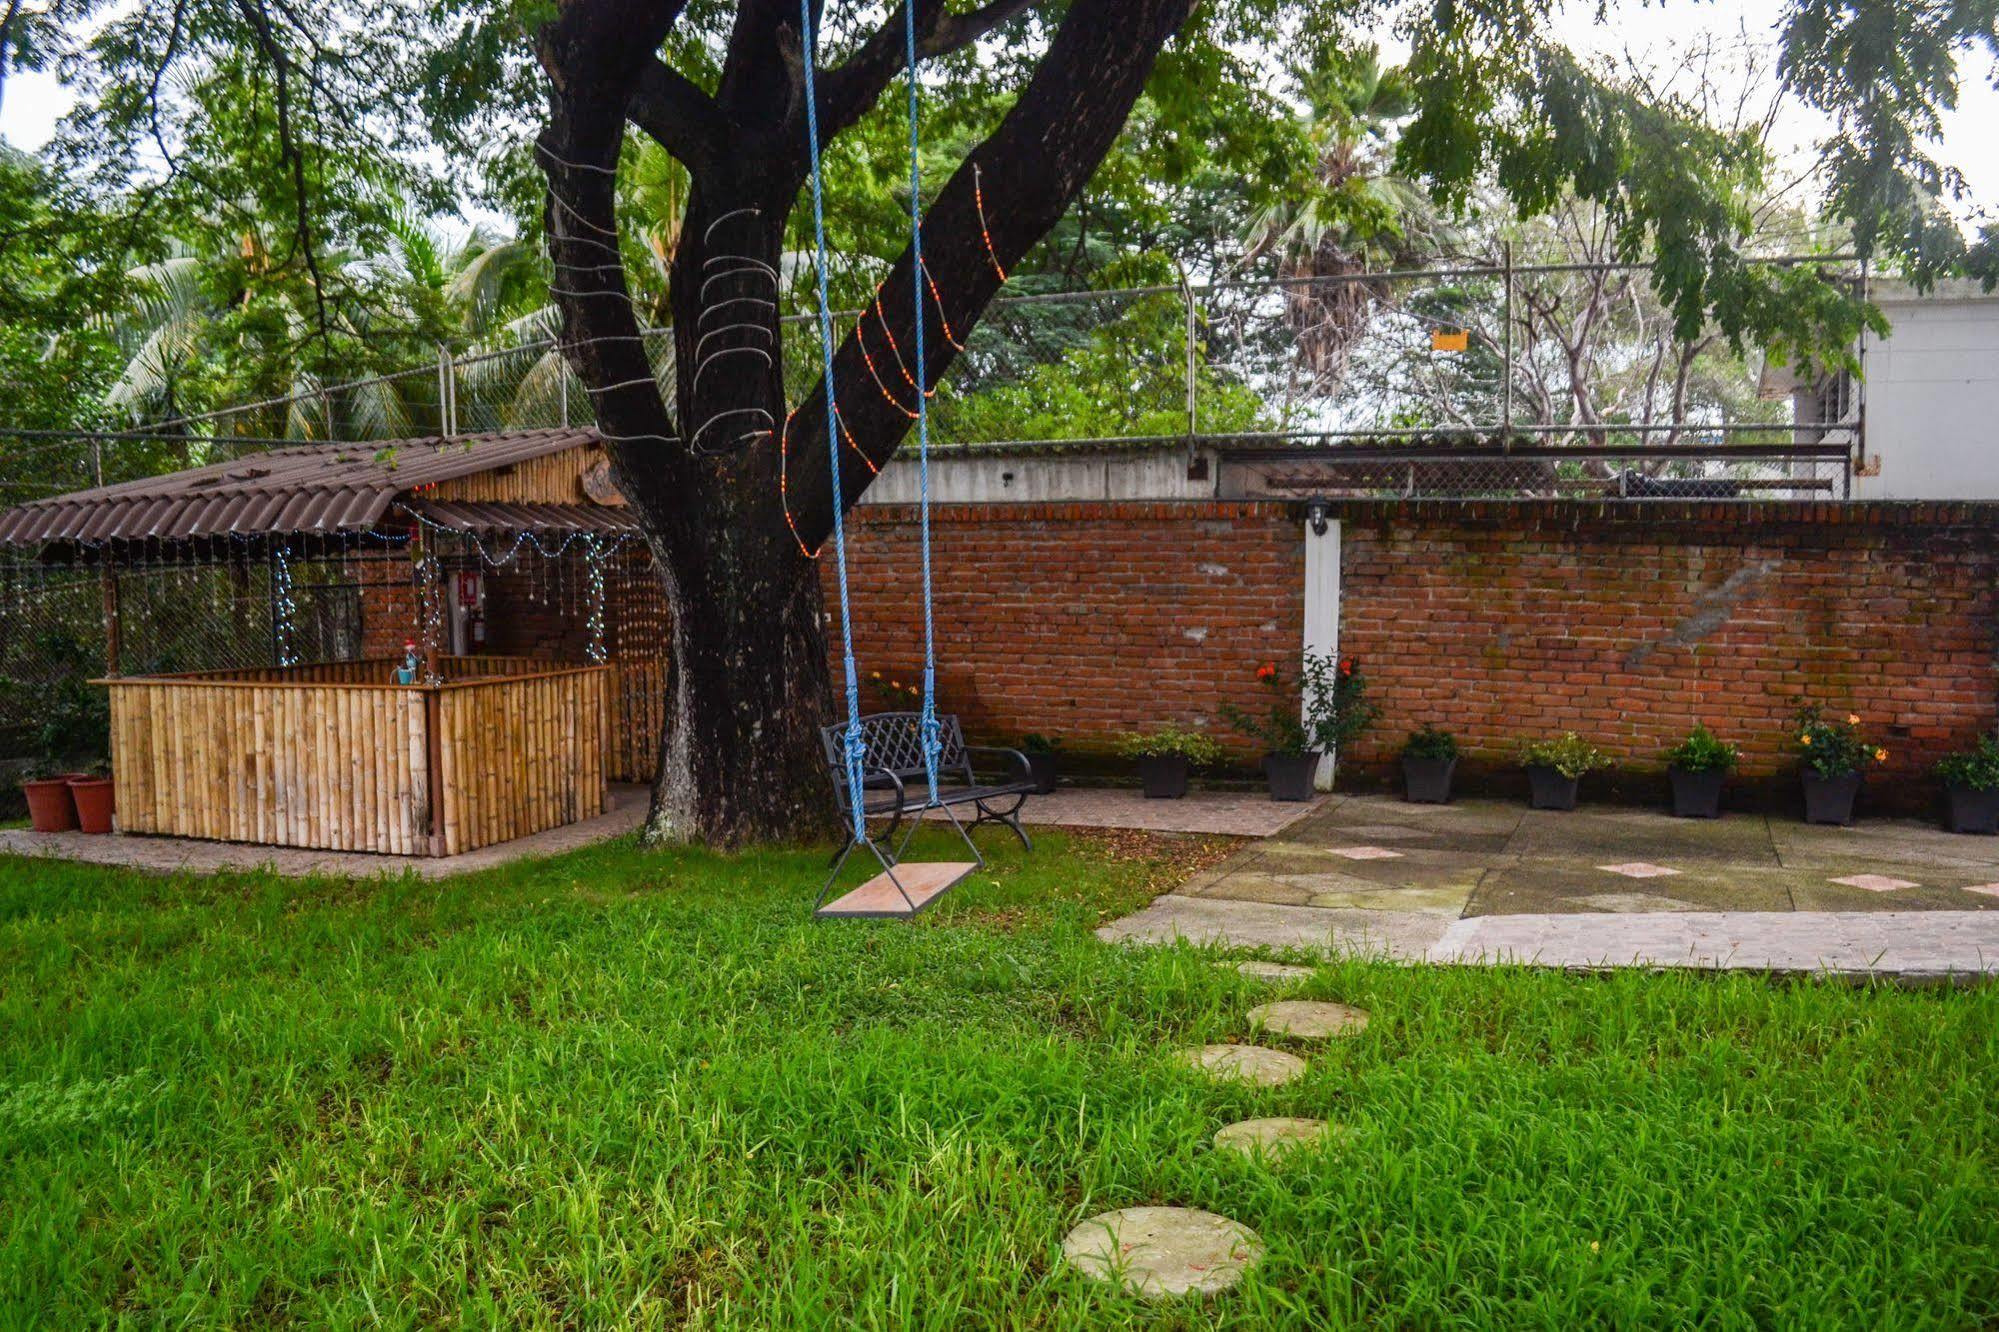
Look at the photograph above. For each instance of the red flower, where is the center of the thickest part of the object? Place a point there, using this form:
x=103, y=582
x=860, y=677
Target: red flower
x=1349, y=666
x=1267, y=671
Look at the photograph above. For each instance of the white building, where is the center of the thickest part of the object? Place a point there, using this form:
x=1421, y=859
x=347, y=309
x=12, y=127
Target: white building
x=1929, y=396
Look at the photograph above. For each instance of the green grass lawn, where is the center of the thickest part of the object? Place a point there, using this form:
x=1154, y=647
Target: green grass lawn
x=625, y=1088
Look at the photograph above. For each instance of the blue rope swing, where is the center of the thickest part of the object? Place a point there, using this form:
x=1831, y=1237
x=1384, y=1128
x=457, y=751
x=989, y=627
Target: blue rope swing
x=854, y=748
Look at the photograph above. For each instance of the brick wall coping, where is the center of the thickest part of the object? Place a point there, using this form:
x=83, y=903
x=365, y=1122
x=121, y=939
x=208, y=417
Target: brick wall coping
x=1537, y=512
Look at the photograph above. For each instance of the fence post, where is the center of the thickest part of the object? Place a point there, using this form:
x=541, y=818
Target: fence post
x=447, y=393
x=1506, y=353
x=1193, y=368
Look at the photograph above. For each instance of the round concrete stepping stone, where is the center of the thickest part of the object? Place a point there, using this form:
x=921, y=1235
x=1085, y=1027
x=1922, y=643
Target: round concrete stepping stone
x=1244, y=1063
x=1272, y=1139
x=1273, y=971
x=1163, y=1251
x=1309, y=1018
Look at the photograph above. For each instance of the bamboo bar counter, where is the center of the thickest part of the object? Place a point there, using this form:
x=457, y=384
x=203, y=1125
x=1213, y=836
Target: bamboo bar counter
x=340, y=757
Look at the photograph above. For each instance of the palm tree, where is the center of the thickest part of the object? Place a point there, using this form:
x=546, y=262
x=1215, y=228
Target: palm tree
x=1349, y=213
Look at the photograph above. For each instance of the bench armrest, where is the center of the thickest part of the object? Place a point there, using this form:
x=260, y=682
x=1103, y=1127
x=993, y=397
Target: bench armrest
x=1021, y=771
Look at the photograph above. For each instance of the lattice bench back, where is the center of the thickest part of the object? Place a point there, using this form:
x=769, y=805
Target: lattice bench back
x=895, y=742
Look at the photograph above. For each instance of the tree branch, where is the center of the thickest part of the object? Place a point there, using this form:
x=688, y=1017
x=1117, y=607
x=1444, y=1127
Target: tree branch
x=847, y=91
x=683, y=119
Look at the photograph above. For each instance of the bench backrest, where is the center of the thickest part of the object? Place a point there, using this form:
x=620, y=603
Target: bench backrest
x=895, y=742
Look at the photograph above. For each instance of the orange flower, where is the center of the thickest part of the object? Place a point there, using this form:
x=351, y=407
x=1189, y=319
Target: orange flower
x=1805, y=739
x=1853, y=719
x=1267, y=671
x=1880, y=756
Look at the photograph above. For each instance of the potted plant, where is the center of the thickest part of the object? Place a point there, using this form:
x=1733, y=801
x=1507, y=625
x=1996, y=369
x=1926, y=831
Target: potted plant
x=1555, y=769
x=1834, y=754
x=1164, y=757
x=1429, y=757
x=1327, y=708
x=1970, y=780
x=50, y=806
x=1697, y=767
x=91, y=790
x=1044, y=761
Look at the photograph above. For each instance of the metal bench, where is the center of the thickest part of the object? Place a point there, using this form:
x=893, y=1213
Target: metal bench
x=895, y=784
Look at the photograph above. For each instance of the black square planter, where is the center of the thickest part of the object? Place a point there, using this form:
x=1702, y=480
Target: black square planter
x=1290, y=775
x=1044, y=769
x=1972, y=811
x=1427, y=781
x=1697, y=795
x=1548, y=789
x=1830, y=799
x=1164, y=776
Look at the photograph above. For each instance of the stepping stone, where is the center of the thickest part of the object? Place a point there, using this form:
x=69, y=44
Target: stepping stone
x=1309, y=1018
x=1988, y=889
x=1160, y=1252
x=1638, y=869
x=1243, y=1063
x=1278, y=971
x=1876, y=883
x=1271, y=1139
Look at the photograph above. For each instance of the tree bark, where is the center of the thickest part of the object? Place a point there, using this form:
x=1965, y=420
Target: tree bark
x=733, y=492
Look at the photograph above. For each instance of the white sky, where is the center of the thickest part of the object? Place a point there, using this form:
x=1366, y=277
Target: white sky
x=1650, y=30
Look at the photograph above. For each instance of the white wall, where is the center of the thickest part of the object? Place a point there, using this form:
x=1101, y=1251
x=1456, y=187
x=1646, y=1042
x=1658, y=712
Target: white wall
x=994, y=478
x=1932, y=391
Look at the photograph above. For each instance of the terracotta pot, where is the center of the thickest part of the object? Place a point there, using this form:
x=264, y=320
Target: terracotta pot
x=93, y=803
x=50, y=808
x=1290, y=775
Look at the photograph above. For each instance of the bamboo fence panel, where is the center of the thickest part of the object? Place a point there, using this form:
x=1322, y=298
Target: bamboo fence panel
x=351, y=766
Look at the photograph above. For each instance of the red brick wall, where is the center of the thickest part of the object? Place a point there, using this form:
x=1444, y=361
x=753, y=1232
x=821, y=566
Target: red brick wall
x=1079, y=620
x=1629, y=624
x=1501, y=621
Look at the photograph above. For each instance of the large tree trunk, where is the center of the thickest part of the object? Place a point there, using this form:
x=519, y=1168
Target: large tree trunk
x=733, y=492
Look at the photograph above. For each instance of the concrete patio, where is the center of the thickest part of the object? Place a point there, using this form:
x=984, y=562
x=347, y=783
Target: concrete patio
x=1489, y=881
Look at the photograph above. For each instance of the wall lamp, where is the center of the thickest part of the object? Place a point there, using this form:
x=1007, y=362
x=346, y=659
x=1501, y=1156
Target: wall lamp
x=1317, y=513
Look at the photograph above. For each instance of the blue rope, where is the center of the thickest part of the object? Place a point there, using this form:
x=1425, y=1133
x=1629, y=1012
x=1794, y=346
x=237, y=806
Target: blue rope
x=855, y=748
x=932, y=743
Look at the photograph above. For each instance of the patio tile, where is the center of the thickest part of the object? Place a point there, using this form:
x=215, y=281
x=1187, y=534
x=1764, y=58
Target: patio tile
x=1433, y=901
x=1988, y=889
x=1876, y=883
x=1544, y=887
x=1366, y=852
x=1639, y=869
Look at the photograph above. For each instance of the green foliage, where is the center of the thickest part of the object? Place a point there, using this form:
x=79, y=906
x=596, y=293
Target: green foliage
x=1834, y=748
x=1569, y=754
x=1974, y=769
x=72, y=716
x=1430, y=742
x=1169, y=742
x=1701, y=752
x=1036, y=743
x=1325, y=708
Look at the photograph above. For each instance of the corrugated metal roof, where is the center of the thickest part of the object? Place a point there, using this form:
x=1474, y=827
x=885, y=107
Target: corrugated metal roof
x=493, y=519
x=308, y=488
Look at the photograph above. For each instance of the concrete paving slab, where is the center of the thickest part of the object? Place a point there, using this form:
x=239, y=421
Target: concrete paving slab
x=1625, y=835
x=1544, y=886
x=1312, y=930
x=1880, y=846
x=1228, y=813
x=1907, y=945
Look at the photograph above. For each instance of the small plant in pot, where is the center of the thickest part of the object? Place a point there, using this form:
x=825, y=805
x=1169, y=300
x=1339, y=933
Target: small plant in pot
x=1970, y=780
x=1165, y=756
x=1834, y=753
x=1698, y=767
x=1555, y=769
x=1429, y=757
x=1044, y=761
x=92, y=793
x=51, y=808
x=1326, y=708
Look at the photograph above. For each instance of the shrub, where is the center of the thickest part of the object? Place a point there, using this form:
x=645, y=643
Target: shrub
x=1701, y=752
x=1036, y=743
x=1833, y=748
x=1431, y=742
x=1569, y=754
x=1168, y=742
x=1335, y=706
x=1975, y=769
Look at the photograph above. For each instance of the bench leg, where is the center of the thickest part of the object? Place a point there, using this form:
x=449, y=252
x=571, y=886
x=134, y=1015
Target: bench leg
x=1010, y=818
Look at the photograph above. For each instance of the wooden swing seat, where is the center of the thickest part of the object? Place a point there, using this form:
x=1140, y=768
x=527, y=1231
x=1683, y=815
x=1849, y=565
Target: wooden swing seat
x=923, y=881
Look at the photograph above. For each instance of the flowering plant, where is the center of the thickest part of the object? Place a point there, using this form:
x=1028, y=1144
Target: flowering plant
x=894, y=694
x=1335, y=706
x=1170, y=742
x=1834, y=748
x=1569, y=754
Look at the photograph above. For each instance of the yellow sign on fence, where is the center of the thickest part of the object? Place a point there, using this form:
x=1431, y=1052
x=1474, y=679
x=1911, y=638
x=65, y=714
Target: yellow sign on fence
x=1449, y=339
